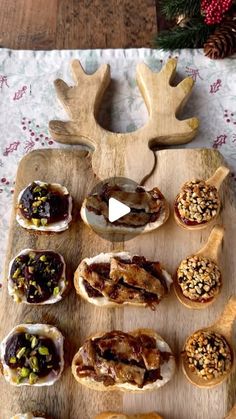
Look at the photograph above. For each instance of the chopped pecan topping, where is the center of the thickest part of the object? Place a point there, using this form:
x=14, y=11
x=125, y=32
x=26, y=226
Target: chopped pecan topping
x=32, y=356
x=119, y=357
x=197, y=202
x=120, y=281
x=145, y=206
x=43, y=204
x=208, y=354
x=36, y=275
x=199, y=278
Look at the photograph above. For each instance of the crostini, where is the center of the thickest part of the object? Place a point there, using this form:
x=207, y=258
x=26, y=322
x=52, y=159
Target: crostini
x=32, y=355
x=37, y=277
x=117, y=279
x=136, y=361
x=44, y=207
x=148, y=209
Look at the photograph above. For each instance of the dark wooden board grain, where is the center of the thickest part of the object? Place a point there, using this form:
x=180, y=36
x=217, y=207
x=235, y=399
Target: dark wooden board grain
x=77, y=24
x=78, y=319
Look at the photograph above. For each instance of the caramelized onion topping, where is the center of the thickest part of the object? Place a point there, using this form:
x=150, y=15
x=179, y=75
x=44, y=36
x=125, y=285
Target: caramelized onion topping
x=119, y=357
x=136, y=280
x=145, y=206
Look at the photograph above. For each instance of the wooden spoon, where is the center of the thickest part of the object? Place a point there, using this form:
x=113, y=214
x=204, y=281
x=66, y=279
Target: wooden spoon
x=215, y=180
x=223, y=326
x=211, y=251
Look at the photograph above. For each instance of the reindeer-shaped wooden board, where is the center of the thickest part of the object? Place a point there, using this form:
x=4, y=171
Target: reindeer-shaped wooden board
x=124, y=154
x=77, y=319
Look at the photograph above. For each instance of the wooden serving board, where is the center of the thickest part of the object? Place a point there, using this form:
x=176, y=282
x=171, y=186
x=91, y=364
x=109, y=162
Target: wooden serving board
x=78, y=319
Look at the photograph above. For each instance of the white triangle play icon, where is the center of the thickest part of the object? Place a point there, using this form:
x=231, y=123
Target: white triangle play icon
x=116, y=209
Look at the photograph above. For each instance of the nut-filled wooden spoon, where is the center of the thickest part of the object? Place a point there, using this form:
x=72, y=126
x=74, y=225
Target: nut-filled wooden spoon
x=198, y=280
x=198, y=203
x=208, y=356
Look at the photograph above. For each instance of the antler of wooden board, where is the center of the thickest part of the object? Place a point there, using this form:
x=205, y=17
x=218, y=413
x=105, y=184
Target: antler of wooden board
x=124, y=154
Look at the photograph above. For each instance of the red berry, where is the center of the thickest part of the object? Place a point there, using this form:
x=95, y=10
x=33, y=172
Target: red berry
x=214, y=10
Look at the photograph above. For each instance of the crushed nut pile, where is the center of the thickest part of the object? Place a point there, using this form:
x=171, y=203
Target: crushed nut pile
x=197, y=202
x=208, y=354
x=199, y=278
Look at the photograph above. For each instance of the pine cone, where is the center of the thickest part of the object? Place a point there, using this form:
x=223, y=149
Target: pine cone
x=222, y=43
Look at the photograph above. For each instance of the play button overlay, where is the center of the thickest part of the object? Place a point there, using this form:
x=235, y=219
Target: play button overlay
x=116, y=209
x=108, y=209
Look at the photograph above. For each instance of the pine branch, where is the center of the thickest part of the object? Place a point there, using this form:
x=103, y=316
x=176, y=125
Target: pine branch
x=174, y=8
x=193, y=35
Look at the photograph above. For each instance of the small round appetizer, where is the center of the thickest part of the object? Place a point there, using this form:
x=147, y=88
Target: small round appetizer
x=44, y=207
x=32, y=355
x=116, y=279
x=148, y=209
x=199, y=278
x=198, y=202
x=136, y=361
x=37, y=277
x=208, y=355
x=113, y=415
x=28, y=415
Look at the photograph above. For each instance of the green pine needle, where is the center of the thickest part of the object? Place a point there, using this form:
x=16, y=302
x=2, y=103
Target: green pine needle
x=174, y=8
x=194, y=35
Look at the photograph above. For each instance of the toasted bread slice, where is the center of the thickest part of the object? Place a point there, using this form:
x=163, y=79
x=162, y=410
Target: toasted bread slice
x=104, y=301
x=167, y=369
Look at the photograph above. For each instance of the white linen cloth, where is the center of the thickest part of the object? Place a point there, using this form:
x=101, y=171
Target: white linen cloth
x=28, y=101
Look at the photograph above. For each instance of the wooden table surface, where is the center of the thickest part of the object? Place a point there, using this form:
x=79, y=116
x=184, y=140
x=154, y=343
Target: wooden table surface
x=74, y=24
